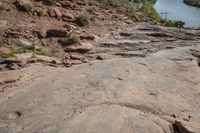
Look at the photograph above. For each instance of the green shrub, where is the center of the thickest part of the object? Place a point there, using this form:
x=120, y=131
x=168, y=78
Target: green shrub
x=3, y=55
x=136, y=16
x=149, y=12
x=49, y=2
x=30, y=49
x=75, y=38
x=40, y=51
x=82, y=20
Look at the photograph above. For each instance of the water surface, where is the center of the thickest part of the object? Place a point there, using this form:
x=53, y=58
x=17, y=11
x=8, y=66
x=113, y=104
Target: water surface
x=177, y=10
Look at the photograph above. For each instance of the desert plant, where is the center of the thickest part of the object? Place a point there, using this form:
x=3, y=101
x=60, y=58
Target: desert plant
x=30, y=49
x=49, y=2
x=24, y=5
x=136, y=15
x=75, y=38
x=82, y=20
x=3, y=55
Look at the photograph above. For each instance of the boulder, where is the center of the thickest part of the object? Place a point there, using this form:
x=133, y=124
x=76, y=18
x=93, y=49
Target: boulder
x=76, y=62
x=24, y=5
x=99, y=57
x=47, y=59
x=76, y=57
x=66, y=41
x=87, y=37
x=85, y=60
x=67, y=63
x=40, y=33
x=12, y=33
x=3, y=23
x=14, y=60
x=68, y=16
x=24, y=56
x=40, y=12
x=66, y=4
x=13, y=63
x=70, y=27
x=83, y=3
x=12, y=66
x=25, y=43
x=51, y=12
x=5, y=50
x=56, y=33
x=58, y=13
x=79, y=48
x=19, y=60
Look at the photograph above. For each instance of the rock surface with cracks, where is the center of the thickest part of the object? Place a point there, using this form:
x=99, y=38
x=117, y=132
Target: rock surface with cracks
x=140, y=95
x=113, y=75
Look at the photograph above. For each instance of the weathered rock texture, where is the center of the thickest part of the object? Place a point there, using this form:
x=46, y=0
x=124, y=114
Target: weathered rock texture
x=154, y=93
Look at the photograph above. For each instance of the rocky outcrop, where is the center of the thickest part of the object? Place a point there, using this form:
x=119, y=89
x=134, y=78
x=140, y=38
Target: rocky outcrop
x=56, y=33
x=115, y=95
x=188, y=127
x=132, y=77
x=80, y=48
x=24, y=5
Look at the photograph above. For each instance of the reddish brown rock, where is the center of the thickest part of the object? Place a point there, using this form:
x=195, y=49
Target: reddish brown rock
x=188, y=127
x=68, y=16
x=40, y=33
x=58, y=13
x=3, y=23
x=5, y=50
x=51, y=12
x=76, y=57
x=70, y=27
x=79, y=48
x=87, y=37
x=66, y=4
x=76, y=62
x=56, y=33
x=24, y=5
x=47, y=59
x=66, y=41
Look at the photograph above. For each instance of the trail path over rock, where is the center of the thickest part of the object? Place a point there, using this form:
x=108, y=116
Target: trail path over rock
x=156, y=93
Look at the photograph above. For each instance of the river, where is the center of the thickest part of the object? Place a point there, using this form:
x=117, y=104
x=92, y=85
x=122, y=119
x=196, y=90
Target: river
x=177, y=10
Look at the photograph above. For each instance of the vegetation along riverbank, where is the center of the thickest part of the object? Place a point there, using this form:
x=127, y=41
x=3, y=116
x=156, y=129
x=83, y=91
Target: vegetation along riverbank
x=193, y=2
x=140, y=10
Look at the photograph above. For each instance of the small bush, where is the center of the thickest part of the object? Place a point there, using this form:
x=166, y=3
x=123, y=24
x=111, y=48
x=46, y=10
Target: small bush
x=3, y=55
x=30, y=49
x=75, y=38
x=136, y=16
x=149, y=12
x=24, y=5
x=82, y=20
x=172, y=23
x=40, y=51
x=1, y=6
x=49, y=2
